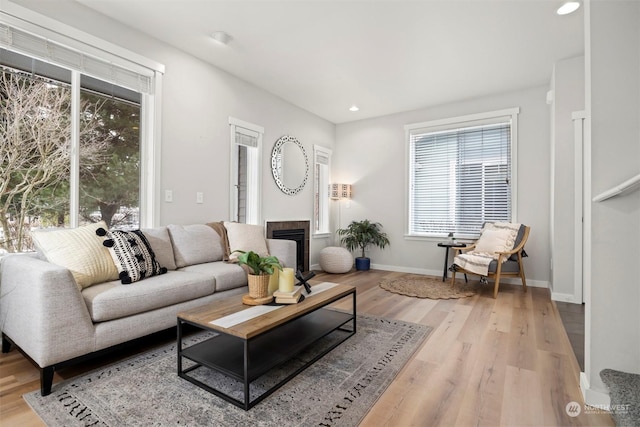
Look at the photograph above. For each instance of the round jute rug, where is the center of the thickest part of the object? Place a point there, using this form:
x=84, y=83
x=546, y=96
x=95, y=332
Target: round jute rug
x=429, y=287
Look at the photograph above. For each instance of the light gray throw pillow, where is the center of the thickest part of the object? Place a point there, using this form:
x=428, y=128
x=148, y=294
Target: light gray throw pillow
x=161, y=245
x=195, y=244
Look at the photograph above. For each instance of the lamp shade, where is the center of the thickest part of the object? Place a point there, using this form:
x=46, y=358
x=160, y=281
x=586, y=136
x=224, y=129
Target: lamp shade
x=340, y=191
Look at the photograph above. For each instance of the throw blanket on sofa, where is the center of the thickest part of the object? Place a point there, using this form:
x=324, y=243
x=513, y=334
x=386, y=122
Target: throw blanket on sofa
x=495, y=237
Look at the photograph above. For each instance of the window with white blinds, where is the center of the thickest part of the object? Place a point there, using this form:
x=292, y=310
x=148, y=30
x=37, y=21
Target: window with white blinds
x=36, y=44
x=461, y=174
x=245, y=140
x=246, y=153
x=133, y=76
x=322, y=175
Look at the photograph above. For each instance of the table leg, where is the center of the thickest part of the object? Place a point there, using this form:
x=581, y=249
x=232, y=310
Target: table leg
x=446, y=261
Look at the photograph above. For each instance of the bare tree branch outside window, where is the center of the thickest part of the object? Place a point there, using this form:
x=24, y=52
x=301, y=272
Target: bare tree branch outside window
x=35, y=135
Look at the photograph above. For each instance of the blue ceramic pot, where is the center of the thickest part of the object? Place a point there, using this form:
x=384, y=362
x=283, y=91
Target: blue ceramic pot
x=363, y=264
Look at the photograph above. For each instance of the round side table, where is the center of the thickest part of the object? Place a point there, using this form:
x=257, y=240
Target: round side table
x=447, y=246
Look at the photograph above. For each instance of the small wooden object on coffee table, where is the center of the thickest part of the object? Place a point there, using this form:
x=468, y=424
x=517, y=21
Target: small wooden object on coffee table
x=248, y=300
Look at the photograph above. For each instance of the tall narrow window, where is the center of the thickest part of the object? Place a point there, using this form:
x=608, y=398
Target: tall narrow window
x=246, y=184
x=322, y=176
x=461, y=173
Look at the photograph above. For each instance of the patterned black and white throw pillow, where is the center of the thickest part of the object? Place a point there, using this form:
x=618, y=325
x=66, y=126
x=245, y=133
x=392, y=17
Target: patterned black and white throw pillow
x=132, y=255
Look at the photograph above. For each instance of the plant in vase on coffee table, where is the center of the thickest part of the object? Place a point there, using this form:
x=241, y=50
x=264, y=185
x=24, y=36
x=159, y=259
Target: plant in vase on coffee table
x=261, y=270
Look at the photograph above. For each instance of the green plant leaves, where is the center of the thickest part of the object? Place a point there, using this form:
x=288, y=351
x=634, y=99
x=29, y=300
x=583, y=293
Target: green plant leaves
x=258, y=265
x=361, y=234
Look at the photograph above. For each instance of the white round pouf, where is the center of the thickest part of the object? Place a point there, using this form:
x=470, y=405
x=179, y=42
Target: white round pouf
x=335, y=259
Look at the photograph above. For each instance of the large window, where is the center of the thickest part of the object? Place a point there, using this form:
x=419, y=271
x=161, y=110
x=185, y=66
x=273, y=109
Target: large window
x=76, y=138
x=461, y=173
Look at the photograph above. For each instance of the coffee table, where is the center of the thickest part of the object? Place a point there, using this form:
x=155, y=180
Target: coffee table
x=252, y=341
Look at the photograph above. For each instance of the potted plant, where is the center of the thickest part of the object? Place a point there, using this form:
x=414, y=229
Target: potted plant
x=260, y=270
x=361, y=234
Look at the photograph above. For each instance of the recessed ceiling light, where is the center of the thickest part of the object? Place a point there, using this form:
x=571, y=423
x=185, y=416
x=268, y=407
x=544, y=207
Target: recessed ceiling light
x=221, y=37
x=568, y=7
x=354, y=108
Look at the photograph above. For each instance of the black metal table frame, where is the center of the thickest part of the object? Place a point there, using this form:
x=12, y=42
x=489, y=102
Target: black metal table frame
x=246, y=344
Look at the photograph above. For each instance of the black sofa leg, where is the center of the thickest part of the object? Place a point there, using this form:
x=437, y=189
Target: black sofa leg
x=46, y=380
x=6, y=344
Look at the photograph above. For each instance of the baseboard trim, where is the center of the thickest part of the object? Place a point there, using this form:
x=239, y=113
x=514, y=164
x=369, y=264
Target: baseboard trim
x=557, y=296
x=384, y=267
x=438, y=273
x=593, y=397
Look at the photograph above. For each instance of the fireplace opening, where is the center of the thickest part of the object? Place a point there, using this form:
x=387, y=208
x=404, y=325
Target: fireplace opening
x=297, y=231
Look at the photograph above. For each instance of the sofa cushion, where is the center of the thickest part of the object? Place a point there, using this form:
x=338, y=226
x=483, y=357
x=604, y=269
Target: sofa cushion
x=227, y=276
x=112, y=300
x=78, y=250
x=195, y=244
x=160, y=242
x=245, y=237
x=132, y=255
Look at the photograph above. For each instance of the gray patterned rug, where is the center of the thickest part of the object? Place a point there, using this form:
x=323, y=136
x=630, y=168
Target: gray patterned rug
x=337, y=390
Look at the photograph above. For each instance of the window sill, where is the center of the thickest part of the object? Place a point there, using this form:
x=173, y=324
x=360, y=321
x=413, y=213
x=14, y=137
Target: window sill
x=321, y=235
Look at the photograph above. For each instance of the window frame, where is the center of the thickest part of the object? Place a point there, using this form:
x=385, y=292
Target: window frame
x=254, y=172
x=450, y=124
x=40, y=26
x=321, y=199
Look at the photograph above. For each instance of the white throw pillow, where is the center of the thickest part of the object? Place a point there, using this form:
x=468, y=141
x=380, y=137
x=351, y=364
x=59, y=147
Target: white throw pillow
x=494, y=240
x=80, y=250
x=245, y=237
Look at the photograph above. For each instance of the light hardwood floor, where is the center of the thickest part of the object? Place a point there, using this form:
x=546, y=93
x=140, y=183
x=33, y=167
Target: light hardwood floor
x=487, y=362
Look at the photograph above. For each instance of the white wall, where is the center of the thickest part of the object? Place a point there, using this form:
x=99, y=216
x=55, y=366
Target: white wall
x=198, y=99
x=613, y=110
x=370, y=154
x=568, y=96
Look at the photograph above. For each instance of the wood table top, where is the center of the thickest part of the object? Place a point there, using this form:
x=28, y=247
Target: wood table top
x=202, y=316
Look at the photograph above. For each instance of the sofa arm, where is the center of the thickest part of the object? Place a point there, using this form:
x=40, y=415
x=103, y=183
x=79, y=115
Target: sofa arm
x=42, y=310
x=285, y=250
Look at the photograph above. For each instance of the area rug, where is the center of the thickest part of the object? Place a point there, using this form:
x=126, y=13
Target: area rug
x=429, y=287
x=337, y=390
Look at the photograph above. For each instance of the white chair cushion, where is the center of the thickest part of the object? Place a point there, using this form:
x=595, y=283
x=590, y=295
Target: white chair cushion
x=495, y=240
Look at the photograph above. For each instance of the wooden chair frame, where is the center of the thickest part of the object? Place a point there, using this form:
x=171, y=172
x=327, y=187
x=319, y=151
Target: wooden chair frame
x=501, y=256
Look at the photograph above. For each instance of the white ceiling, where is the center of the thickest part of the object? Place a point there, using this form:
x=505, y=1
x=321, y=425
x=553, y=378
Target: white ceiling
x=384, y=56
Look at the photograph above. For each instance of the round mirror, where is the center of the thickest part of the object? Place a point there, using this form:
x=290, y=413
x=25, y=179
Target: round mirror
x=289, y=165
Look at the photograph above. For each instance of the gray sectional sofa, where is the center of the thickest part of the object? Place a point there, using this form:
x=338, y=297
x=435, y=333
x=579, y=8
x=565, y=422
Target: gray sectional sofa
x=55, y=322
